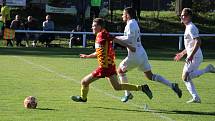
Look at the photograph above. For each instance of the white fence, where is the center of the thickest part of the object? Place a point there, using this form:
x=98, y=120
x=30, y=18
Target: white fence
x=180, y=36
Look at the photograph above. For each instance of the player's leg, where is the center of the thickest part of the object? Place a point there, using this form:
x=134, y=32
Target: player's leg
x=85, y=82
x=191, y=89
x=196, y=73
x=121, y=86
x=126, y=86
x=122, y=69
x=188, y=81
x=146, y=68
x=159, y=78
x=210, y=69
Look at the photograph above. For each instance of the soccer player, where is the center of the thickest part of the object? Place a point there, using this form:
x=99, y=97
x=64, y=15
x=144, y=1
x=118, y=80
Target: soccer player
x=105, y=56
x=137, y=59
x=194, y=58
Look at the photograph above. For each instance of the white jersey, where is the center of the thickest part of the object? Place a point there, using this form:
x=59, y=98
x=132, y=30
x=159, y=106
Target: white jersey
x=132, y=36
x=190, y=33
x=138, y=59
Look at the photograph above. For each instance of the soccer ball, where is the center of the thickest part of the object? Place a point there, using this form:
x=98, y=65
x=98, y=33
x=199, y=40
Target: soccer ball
x=30, y=102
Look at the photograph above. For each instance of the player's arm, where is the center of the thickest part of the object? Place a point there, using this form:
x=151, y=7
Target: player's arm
x=195, y=49
x=133, y=49
x=130, y=34
x=179, y=55
x=92, y=55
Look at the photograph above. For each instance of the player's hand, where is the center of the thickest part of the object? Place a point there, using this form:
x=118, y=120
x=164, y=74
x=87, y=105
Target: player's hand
x=83, y=56
x=178, y=56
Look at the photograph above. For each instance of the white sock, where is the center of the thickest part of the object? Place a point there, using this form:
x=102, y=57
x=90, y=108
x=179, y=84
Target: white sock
x=162, y=80
x=124, y=79
x=191, y=88
x=196, y=73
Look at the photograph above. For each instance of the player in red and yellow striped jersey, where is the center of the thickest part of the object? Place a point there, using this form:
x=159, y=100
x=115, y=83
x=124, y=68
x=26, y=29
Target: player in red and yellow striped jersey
x=105, y=55
x=107, y=68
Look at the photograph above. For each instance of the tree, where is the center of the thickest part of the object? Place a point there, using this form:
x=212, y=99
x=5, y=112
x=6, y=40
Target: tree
x=203, y=5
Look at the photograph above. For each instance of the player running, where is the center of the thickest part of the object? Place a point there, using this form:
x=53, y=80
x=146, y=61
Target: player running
x=106, y=61
x=139, y=58
x=194, y=58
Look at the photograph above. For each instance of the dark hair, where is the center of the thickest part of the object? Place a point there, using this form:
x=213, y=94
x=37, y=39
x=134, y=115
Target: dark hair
x=132, y=12
x=99, y=21
x=188, y=12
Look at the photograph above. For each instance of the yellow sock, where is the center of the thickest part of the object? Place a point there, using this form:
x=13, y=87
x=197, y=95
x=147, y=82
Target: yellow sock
x=84, y=92
x=130, y=87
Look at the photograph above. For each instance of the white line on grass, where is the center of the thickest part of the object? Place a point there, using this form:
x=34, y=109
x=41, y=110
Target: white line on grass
x=97, y=89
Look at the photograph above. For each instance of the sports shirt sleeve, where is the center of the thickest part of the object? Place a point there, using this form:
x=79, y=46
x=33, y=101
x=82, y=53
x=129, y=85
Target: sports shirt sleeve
x=194, y=32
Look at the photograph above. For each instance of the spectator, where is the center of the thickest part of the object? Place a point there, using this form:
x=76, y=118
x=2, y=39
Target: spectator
x=5, y=11
x=76, y=39
x=31, y=25
x=17, y=24
x=95, y=8
x=48, y=25
x=9, y=34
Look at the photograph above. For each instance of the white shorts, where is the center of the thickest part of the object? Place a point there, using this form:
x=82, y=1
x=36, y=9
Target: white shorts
x=192, y=66
x=139, y=61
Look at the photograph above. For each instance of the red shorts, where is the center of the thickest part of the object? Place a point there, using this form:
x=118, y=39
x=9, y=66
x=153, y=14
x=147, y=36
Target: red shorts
x=104, y=72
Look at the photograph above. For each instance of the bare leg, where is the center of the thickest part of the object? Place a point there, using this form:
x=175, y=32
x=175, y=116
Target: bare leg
x=85, y=82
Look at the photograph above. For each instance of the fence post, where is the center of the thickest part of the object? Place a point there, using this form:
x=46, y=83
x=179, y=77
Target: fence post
x=70, y=41
x=180, y=43
x=84, y=40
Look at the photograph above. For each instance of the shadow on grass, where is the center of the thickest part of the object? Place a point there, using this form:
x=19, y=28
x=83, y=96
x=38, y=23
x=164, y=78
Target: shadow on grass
x=153, y=54
x=46, y=109
x=183, y=112
x=111, y=108
x=161, y=111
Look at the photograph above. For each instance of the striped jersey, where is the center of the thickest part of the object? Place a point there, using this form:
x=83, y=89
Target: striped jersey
x=104, y=49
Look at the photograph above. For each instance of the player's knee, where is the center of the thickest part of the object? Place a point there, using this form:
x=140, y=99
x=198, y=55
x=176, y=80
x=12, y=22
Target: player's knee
x=149, y=75
x=185, y=77
x=120, y=72
x=116, y=88
x=84, y=83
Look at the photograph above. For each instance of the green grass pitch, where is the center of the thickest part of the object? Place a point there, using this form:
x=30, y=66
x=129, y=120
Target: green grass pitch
x=54, y=74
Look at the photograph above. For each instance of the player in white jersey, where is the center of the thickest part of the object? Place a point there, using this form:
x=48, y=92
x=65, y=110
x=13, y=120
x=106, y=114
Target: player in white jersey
x=194, y=58
x=139, y=58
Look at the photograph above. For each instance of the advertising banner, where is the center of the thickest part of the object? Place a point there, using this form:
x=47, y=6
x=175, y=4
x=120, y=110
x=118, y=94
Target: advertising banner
x=16, y=2
x=50, y=9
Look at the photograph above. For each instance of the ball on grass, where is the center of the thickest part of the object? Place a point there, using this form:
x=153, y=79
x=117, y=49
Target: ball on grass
x=30, y=102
